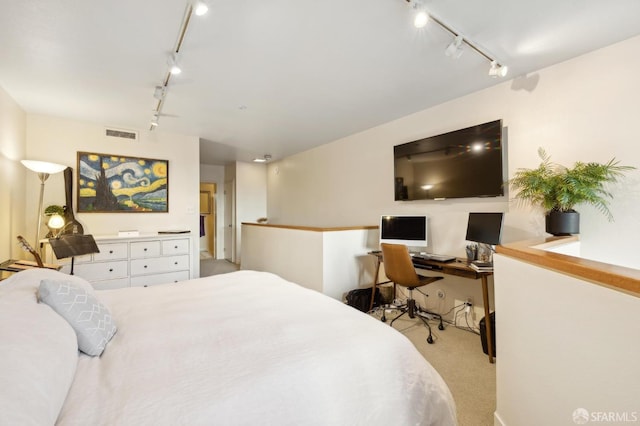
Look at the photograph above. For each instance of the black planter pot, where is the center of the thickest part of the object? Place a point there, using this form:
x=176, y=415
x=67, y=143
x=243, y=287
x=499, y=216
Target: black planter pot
x=562, y=223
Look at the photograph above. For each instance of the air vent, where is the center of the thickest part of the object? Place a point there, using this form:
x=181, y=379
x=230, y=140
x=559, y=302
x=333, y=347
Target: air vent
x=124, y=134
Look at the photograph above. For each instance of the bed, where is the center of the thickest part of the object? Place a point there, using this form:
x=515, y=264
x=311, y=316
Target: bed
x=244, y=348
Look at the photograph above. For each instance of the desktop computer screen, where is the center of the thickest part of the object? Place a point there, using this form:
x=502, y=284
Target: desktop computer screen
x=408, y=230
x=485, y=228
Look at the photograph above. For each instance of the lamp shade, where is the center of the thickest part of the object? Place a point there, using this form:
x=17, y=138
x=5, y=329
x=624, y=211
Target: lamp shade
x=43, y=166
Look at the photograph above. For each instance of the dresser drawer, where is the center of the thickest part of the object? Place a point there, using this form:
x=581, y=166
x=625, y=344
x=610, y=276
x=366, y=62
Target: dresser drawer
x=112, y=251
x=145, y=249
x=170, y=277
x=77, y=259
x=159, y=264
x=172, y=247
x=100, y=271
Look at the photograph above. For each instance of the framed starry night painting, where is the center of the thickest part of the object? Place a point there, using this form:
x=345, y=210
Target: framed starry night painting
x=114, y=183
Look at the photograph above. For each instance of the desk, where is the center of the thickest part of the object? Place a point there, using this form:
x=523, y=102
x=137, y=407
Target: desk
x=13, y=266
x=458, y=267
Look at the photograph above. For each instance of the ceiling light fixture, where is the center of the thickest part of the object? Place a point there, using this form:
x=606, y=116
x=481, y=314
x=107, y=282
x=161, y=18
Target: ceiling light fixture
x=174, y=67
x=455, y=49
x=160, y=92
x=421, y=17
x=498, y=70
x=200, y=8
x=264, y=159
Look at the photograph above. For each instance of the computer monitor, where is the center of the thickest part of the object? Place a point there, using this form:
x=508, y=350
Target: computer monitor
x=485, y=228
x=408, y=230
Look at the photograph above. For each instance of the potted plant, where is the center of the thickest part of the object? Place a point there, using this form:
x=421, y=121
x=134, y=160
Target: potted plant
x=557, y=189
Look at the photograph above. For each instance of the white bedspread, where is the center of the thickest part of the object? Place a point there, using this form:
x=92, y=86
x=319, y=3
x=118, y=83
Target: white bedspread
x=249, y=348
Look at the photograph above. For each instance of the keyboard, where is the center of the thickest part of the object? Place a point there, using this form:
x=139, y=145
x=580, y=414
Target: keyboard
x=441, y=257
x=432, y=256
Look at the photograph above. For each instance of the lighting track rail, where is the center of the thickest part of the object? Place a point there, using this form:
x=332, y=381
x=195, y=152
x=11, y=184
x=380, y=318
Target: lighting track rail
x=496, y=69
x=160, y=93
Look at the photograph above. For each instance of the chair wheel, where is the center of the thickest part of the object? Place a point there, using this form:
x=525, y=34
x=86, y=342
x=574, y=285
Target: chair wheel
x=430, y=340
x=440, y=327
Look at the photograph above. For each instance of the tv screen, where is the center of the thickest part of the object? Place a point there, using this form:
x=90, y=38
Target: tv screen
x=408, y=230
x=484, y=228
x=459, y=164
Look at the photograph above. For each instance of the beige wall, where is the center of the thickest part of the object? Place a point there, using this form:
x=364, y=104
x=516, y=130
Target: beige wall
x=583, y=109
x=12, y=175
x=563, y=344
x=58, y=140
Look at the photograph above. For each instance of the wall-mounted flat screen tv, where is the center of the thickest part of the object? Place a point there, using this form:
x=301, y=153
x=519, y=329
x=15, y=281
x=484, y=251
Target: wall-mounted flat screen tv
x=459, y=164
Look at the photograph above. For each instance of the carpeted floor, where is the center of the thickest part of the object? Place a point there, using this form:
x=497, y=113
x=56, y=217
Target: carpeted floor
x=457, y=355
x=210, y=266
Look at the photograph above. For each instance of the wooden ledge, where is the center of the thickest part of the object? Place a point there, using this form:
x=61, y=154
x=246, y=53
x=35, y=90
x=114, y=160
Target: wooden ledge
x=532, y=251
x=312, y=228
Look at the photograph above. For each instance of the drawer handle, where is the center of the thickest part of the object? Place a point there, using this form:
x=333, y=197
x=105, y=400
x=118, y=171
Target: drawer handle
x=110, y=269
x=175, y=247
x=175, y=263
x=110, y=251
x=145, y=249
x=146, y=285
x=145, y=266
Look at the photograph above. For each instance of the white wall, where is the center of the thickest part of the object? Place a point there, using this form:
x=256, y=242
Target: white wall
x=562, y=344
x=215, y=174
x=58, y=140
x=12, y=175
x=251, y=197
x=584, y=109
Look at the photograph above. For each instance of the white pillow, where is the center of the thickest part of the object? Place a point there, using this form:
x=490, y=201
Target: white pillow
x=91, y=320
x=38, y=353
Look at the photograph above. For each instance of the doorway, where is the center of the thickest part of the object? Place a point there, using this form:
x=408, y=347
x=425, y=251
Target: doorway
x=208, y=220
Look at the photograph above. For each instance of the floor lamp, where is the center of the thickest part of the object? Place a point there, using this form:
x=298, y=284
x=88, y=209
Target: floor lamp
x=43, y=169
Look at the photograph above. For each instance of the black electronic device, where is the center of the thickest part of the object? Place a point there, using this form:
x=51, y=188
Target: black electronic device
x=408, y=230
x=459, y=164
x=485, y=228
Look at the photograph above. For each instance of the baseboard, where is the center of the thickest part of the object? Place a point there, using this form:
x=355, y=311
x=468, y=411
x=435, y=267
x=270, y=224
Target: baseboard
x=497, y=421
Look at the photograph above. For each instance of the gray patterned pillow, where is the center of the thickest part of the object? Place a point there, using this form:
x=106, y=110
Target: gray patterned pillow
x=77, y=304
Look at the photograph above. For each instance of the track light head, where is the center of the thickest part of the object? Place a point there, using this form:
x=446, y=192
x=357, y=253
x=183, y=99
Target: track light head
x=174, y=67
x=498, y=70
x=160, y=92
x=421, y=16
x=200, y=8
x=421, y=19
x=454, y=49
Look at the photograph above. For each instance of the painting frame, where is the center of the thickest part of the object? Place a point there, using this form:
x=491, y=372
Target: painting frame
x=111, y=183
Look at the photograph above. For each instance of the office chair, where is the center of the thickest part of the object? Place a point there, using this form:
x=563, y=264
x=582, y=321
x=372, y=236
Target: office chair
x=400, y=270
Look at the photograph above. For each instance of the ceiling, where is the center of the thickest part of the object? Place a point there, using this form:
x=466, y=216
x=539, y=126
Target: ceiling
x=281, y=76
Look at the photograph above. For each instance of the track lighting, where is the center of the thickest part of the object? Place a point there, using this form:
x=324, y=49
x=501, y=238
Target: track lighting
x=200, y=8
x=174, y=67
x=454, y=49
x=421, y=19
x=160, y=92
x=498, y=70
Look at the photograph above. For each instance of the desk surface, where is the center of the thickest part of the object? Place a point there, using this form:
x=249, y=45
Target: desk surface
x=459, y=267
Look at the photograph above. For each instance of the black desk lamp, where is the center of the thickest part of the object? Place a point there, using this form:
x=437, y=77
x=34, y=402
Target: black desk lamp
x=73, y=245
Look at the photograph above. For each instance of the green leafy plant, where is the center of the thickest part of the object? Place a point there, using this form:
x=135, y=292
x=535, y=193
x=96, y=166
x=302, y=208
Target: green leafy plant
x=53, y=209
x=556, y=187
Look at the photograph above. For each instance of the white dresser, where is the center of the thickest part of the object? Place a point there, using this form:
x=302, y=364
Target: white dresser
x=132, y=261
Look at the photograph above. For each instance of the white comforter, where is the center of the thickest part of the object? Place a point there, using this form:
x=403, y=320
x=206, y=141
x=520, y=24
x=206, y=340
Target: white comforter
x=249, y=348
